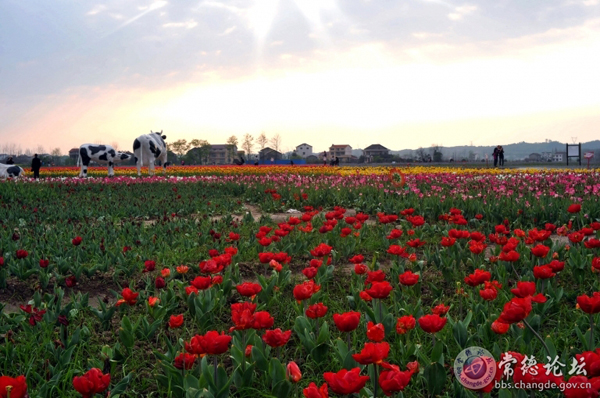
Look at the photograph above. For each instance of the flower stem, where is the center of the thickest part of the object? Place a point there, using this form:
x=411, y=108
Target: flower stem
x=591, y=348
x=376, y=381
x=538, y=336
x=215, y=376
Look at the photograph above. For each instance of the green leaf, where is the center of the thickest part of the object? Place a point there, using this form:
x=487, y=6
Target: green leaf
x=435, y=378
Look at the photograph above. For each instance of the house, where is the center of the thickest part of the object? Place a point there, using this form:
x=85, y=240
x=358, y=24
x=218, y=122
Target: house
x=304, y=150
x=375, y=150
x=74, y=153
x=534, y=157
x=267, y=154
x=547, y=156
x=559, y=157
x=222, y=154
x=343, y=152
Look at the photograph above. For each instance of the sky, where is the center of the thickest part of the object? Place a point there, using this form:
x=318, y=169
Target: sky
x=401, y=73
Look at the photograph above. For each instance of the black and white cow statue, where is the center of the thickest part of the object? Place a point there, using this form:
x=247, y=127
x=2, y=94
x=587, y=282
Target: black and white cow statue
x=10, y=170
x=99, y=154
x=149, y=148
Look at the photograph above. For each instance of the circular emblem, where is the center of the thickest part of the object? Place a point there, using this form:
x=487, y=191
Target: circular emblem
x=396, y=178
x=475, y=368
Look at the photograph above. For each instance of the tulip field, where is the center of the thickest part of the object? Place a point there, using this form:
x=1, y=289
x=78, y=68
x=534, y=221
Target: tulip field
x=312, y=282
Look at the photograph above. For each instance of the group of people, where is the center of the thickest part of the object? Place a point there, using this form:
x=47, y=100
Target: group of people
x=498, y=156
x=334, y=161
x=36, y=165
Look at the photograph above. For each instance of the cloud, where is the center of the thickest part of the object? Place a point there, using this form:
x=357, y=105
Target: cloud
x=460, y=12
x=228, y=31
x=188, y=25
x=97, y=9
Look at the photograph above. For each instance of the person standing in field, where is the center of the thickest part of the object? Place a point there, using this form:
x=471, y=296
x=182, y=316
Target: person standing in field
x=501, y=156
x=324, y=158
x=495, y=155
x=36, y=164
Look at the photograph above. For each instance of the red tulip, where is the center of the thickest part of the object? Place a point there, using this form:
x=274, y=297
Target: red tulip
x=394, y=380
x=292, y=372
x=211, y=266
x=408, y=278
x=152, y=301
x=591, y=360
x=248, y=289
x=265, y=241
x=242, y=315
x=543, y=272
x=379, y=290
x=360, y=269
x=159, y=282
x=432, y=323
x=395, y=234
x=176, y=321
x=44, y=263
x=276, y=338
x=576, y=387
x=540, y=251
x=590, y=305
x=359, y=258
x=440, y=309
x=347, y=321
x=372, y=353
x=375, y=332
x=575, y=237
x=91, y=383
x=316, y=311
x=510, y=256
x=499, y=327
x=18, y=386
x=447, y=241
x=345, y=381
x=321, y=250
x=184, y=360
x=478, y=278
x=305, y=290
x=405, y=323
x=21, y=254
x=397, y=250
x=129, y=297
x=515, y=310
x=310, y=272
x=266, y=257
x=312, y=391
x=556, y=265
x=201, y=282
x=489, y=293
x=574, y=208
x=149, y=266
x=262, y=320
x=214, y=343
x=76, y=241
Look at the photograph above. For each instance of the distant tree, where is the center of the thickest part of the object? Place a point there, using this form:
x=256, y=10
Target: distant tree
x=40, y=149
x=248, y=144
x=232, y=143
x=436, y=153
x=56, y=154
x=262, y=140
x=421, y=154
x=179, y=147
x=275, y=142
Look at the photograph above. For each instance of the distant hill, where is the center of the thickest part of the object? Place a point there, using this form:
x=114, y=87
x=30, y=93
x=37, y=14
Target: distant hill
x=516, y=151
